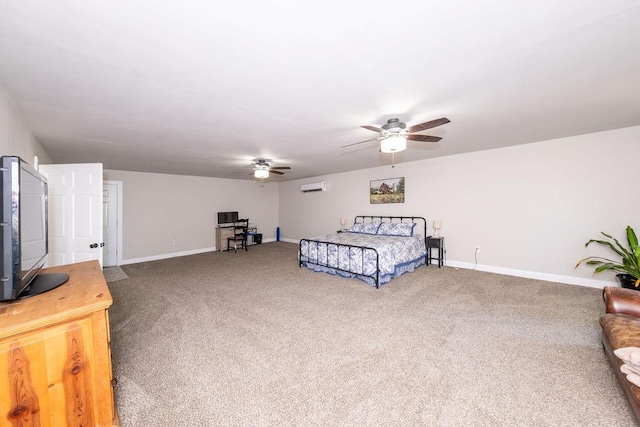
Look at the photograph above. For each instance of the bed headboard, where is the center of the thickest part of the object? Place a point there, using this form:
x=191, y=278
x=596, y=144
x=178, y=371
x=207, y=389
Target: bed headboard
x=420, y=221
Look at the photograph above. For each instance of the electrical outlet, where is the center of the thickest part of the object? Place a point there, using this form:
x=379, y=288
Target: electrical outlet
x=175, y=242
x=477, y=249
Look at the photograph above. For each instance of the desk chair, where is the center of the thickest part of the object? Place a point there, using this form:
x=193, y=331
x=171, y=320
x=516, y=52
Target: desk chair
x=241, y=232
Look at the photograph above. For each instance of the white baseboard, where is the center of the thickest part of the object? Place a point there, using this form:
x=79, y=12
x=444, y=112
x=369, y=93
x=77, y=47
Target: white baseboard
x=176, y=254
x=570, y=280
x=454, y=264
x=166, y=256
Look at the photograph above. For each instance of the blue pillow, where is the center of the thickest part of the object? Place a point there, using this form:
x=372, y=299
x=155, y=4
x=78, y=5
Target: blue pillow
x=396, y=229
x=368, y=228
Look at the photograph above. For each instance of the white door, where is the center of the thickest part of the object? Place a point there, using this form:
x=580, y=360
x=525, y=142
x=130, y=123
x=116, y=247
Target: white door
x=75, y=212
x=111, y=220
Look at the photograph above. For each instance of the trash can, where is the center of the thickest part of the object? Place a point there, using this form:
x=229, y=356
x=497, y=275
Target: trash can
x=257, y=238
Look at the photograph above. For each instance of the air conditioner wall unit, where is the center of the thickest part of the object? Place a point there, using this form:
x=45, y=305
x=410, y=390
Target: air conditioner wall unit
x=314, y=186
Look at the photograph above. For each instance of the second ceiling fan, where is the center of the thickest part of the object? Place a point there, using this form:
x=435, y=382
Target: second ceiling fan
x=394, y=134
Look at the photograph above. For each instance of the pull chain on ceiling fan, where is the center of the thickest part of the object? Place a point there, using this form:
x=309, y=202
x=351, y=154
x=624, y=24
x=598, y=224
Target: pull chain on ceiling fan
x=394, y=134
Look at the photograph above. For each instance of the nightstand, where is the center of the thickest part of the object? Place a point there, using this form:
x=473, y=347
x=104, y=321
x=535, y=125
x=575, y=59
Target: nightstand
x=435, y=243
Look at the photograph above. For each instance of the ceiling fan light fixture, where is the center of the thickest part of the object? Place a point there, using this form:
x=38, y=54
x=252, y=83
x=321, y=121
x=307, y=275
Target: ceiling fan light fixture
x=393, y=144
x=261, y=173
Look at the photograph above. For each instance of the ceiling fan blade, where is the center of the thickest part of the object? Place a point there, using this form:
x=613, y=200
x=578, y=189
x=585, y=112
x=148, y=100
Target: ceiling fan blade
x=280, y=168
x=276, y=172
x=361, y=142
x=373, y=128
x=428, y=125
x=424, y=138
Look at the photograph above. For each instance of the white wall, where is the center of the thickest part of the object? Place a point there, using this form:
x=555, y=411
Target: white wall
x=530, y=208
x=15, y=137
x=158, y=208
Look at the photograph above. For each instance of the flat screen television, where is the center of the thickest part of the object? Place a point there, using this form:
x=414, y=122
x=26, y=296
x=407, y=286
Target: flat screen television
x=227, y=217
x=24, y=236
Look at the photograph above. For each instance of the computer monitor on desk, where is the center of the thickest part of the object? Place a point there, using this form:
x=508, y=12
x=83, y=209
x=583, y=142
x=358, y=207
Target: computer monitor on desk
x=227, y=218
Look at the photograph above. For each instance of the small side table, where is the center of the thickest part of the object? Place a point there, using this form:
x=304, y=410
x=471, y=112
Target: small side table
x=435, y=243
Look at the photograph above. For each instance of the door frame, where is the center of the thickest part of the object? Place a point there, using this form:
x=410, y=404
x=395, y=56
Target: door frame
x=118, y=184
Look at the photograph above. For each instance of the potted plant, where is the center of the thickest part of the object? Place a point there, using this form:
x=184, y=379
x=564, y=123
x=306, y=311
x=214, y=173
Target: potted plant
x=628, y=268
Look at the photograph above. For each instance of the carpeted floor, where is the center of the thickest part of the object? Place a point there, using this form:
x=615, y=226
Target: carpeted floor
x=250, y=339
x=112, y=274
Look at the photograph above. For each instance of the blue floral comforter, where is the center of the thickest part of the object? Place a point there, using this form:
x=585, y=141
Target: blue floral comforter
x=396, y=255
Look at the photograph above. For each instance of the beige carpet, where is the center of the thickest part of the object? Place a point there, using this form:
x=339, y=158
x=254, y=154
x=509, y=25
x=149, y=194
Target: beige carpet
x=250, y=339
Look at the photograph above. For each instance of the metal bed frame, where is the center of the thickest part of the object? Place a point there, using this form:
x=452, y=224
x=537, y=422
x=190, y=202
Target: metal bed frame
x=363, y=219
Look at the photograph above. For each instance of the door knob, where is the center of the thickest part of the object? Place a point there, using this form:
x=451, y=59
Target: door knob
x=93, y=245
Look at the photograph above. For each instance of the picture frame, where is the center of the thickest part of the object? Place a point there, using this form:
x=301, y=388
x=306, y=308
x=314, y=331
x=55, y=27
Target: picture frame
x=388, y=190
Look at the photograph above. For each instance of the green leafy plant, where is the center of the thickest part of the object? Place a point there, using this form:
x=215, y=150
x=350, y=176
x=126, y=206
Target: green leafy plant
x=630, y=257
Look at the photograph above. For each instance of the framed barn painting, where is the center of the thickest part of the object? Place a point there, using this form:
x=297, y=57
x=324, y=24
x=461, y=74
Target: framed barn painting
x=390, y=190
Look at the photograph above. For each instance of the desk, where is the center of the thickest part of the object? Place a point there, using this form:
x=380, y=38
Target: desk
x=226, y=231
x=435, y=243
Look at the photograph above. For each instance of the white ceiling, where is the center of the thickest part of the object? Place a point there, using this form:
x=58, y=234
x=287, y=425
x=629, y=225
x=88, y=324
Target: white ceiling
x=203, y=88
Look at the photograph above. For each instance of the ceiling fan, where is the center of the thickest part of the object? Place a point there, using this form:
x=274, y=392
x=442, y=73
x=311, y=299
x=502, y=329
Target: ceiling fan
x=261, y=169
x=394, y=134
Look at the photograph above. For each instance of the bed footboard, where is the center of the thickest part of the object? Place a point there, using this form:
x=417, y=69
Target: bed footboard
x=340, y=257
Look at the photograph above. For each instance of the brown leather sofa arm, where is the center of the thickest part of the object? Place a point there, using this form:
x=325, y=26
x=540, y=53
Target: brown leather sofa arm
x=621, y=300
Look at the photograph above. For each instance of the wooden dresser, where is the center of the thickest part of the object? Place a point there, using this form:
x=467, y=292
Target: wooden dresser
x=55, y=361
